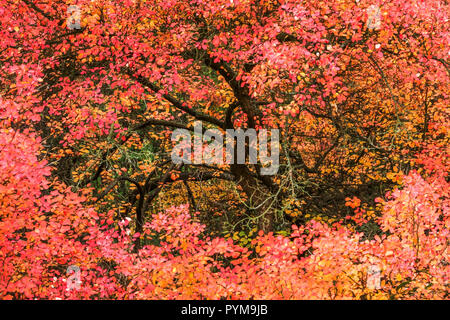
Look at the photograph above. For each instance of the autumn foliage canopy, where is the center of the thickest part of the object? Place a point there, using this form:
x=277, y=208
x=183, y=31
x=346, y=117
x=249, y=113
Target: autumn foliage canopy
x=89, y=98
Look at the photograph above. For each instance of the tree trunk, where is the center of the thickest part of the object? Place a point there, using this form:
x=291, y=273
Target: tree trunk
x=259, y=195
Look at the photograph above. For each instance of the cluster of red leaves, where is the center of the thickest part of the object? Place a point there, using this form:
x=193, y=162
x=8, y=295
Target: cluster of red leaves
x=44, y=228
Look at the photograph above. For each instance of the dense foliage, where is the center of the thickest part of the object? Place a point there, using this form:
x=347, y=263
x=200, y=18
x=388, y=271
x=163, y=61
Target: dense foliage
x=357, y=89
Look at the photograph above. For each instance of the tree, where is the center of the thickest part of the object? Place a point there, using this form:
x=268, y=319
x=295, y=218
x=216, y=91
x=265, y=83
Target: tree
x=356, y=88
